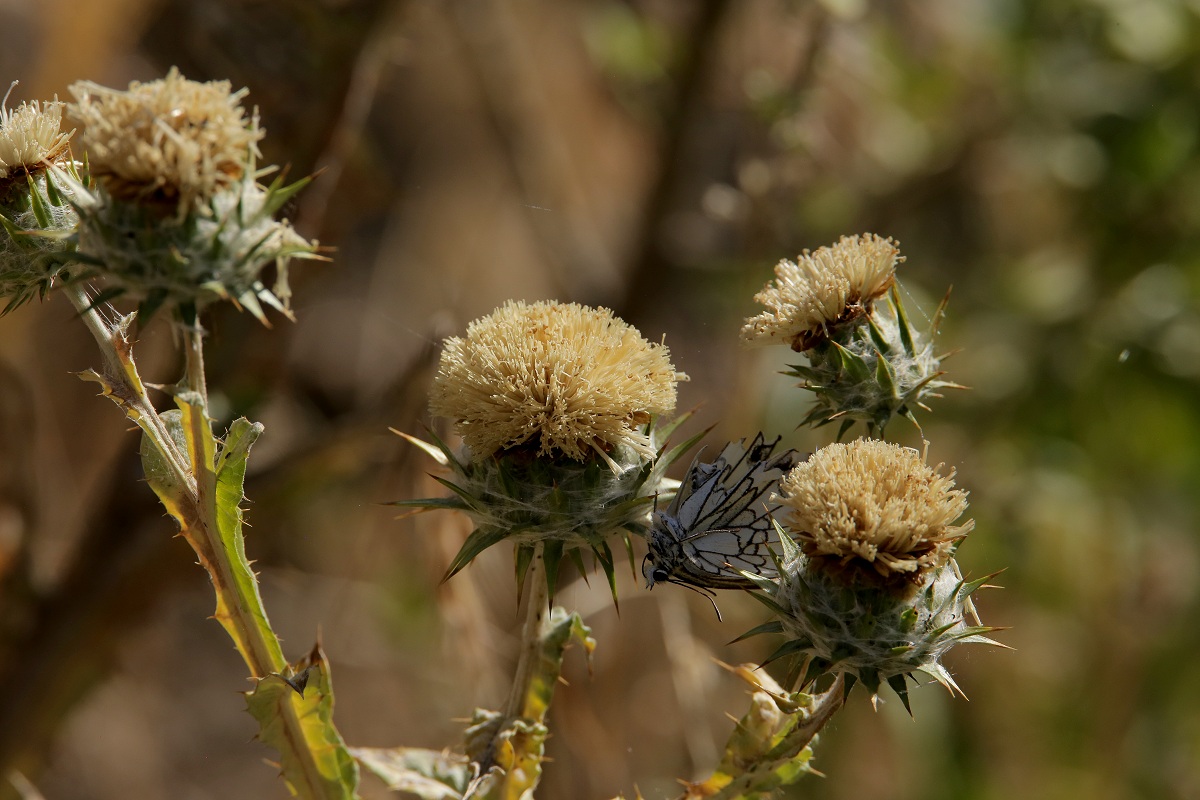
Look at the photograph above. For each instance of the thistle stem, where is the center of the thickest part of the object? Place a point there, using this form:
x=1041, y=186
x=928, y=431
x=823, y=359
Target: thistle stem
x=761, y=776
x=532, y=626
x=240, y=608
x=194, y=362
x=134, y=397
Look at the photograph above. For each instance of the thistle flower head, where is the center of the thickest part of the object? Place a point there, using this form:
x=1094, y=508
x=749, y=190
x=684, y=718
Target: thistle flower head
x=556, y=404
x=175, y=215
x=31, y=139
x=822, y=290
x=171, y=141
x=868, y=586
x=874, y=506
x=564, y=379
x=37, y=219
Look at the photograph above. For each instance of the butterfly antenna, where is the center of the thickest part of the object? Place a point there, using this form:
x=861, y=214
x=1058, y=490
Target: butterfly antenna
x=708, y=594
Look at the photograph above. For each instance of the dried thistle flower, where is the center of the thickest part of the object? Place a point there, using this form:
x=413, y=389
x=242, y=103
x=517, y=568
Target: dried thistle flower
x=31, y=139
x=823, y=290
x=865, y=360
x=565, y=378
x=868, y=586
x=556, y=403
x=36, y=214
x=175, y=216
x=171, y=141
x=873, y=505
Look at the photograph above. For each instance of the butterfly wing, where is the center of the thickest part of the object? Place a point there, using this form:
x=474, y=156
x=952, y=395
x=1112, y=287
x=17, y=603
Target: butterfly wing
x=721, y=518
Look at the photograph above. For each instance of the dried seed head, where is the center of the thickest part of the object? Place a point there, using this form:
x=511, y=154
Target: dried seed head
x=873, y=506
x=565, y=378
x=31, y=138
x=37, y=218
x=169, y=141
x=822, y=290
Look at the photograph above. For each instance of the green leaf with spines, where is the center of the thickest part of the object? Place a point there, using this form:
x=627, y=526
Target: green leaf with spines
x=773, y=626
x=431, y=504
x=877, y=337
x=552, y=553
x=576, y=556
x=524, y=557
x=469, y=499
x=479, y=540
x=788, y=648
x=278, y=195
x=900, y=687
x=903, y=325
x=677, y=451
x=768, y=602
x=608, y=564
x=41, y=212
x=629, y=551
x=885, y=376
x=53, y=194
x=333, y=772
x=854, y=364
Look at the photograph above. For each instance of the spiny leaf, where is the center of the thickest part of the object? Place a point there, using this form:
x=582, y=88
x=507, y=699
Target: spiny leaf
x=524, y=557
x=608, y=564
x=278, y=195
x=479, y=540
x=788, y=648
x=900, y=687
x=774, y=626
x=40, y=212
x=902, y=321
x=768, y=602
x=552, y=554
x=332, y=774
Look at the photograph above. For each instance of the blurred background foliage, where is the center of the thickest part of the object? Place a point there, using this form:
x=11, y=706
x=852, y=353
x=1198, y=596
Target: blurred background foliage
x=657, y=157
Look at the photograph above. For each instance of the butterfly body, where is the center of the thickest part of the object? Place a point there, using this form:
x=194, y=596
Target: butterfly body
x=720, y=520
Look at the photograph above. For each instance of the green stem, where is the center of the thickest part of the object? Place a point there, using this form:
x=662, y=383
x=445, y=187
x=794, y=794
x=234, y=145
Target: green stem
x=194, y=357
x=533, y=625
x=134, y=398
x=197, y=513
x=756, y=776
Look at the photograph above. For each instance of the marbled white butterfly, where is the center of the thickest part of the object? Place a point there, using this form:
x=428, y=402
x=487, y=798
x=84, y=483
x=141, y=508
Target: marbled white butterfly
x=719, y=522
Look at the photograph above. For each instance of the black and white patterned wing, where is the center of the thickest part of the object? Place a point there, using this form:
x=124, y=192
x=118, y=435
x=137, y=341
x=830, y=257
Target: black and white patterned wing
x=719, y=523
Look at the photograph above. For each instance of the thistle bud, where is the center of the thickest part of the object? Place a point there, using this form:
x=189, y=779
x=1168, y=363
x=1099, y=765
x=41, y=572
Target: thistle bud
x=868, y=585
x=35, y=211
x=556, y=406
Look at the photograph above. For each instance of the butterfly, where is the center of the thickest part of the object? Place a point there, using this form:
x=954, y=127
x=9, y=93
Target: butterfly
x=720, y=521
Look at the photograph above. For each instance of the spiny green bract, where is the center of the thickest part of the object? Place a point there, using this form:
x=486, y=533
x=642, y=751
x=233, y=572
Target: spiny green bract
x=216, y=252
x=37, y=241
x=870, y=629
x=873, y=371
x=563, y=505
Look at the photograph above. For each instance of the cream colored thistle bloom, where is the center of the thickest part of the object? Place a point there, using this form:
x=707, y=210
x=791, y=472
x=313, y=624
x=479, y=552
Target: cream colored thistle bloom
x=876, y=505
x=561, y=376
x=822, y=289
x=170, y=140
x=31, y=138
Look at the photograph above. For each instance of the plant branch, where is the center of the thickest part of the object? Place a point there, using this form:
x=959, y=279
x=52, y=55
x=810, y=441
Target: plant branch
x=200, y=483
x=521, y=698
